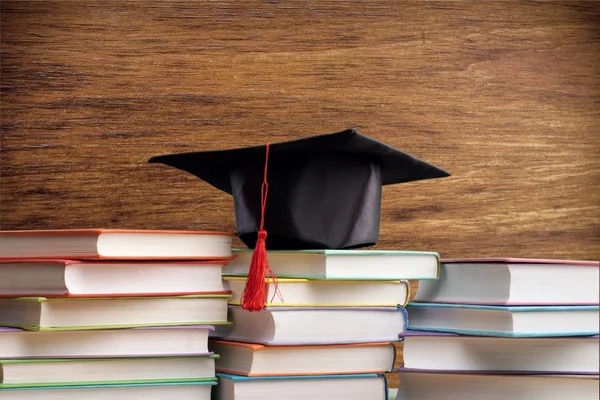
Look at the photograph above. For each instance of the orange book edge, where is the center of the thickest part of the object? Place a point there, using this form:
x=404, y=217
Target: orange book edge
x=96, y=231
x=100, y=231
x=257, y=347
x=136, y=261
x=99, y=257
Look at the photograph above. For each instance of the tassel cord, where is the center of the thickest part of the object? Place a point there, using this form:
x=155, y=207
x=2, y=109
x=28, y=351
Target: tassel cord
x=260, y=274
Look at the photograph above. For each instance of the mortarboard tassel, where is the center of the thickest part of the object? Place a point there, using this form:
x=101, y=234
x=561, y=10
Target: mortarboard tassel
x=256, y=289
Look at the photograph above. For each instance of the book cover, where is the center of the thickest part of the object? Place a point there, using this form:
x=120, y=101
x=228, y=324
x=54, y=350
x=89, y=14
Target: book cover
x=322, y=292
x=341, y=252
x=424, y=385
x=15, y=312
x=414, y=332
x=207, y=381
x=242, y=378
x=307, y=349
x=210, y=382
x=147, y=341
x=447, y=351
x=513, y=281
x=314, y=325
x=53, y=278
x=260, y=346
x=496, y=372
x=371, y=386
x=443, y=321
x=514, y=260
x=343, y=264
x=514, y=309
x=121, y=244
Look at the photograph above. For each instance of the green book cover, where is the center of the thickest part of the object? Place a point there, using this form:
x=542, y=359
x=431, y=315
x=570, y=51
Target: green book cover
x=111, y=382
x=12, y=311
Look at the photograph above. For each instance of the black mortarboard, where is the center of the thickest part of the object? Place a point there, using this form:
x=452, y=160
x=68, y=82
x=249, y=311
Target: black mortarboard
x=324, y=192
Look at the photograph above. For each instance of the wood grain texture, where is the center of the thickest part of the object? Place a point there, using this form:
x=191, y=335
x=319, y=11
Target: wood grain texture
x=504, y=95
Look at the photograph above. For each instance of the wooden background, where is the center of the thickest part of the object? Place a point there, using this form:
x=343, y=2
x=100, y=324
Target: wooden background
x=504, y=95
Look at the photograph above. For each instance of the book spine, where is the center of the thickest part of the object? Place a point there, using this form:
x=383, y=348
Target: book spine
x=385, y=387
x=407, y=298
x=391, y=368
x=405, y=316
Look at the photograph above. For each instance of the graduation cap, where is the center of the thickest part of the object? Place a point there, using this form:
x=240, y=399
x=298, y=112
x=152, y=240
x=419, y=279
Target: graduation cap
x=324, y=192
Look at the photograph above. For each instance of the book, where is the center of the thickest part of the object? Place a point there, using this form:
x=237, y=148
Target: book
x=195, y=390
x=327, y=292
x=73, y=371
x=40, y=313
x=314, y=325
x=133, y=342
x=342, y=264
x=453, y=352
x=73, y=278
x=115, y=244
x=426, y=385
x=513, y=281
x=252, y=359
x=504, y=320
x=331, y=387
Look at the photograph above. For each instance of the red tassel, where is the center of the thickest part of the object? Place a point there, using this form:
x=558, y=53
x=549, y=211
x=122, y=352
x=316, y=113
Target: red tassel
x=256, y=289
x=254, y=295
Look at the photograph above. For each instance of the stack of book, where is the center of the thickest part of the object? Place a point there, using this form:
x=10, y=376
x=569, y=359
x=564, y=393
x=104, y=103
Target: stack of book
x=110, y=314
x=331, y=330
x=499, y=329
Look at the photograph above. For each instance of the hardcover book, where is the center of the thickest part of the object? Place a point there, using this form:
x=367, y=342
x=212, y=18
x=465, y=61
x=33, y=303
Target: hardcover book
x=195, y=390
x=115, y=244
x=327, y=292
x=81, y=372
x=252, y=359
x=314, y=325
x=39, y=313
x=135, y=342
x=524, y=321
x=342, y=264
x=513, y=281
x=73, y=278
x=425, y=350
x=332, y=387
x=427, y=385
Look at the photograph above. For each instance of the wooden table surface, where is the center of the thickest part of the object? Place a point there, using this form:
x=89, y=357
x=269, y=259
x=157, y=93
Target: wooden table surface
x=504, y=95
